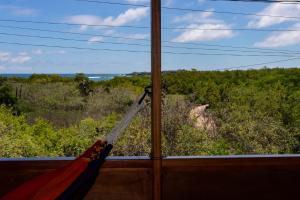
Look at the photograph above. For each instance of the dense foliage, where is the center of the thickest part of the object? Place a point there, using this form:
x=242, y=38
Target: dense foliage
x=254, y=112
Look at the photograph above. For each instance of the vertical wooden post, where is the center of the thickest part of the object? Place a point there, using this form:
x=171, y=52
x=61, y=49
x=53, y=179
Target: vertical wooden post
x=156, y=96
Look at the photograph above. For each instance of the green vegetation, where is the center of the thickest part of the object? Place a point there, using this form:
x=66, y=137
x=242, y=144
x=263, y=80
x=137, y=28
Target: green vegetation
x=253, y=112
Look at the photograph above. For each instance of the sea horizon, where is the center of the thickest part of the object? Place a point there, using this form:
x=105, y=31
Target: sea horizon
x=91, y=76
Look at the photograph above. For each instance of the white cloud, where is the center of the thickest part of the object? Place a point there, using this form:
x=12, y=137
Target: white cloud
x=95, y=39
x=138, y=36
x=18, y=11
x=4, y=56
x=115, y=33
x=276, y=9
x=85, y=19
x=7, y=69
x=109, y=32
x=281, y=39
x=56, y=52
x=146, y=2
x=128, y=16
x=197, y=21
x=168, y=2
x=37, y=52
x=205, y=17
x=137, y=1
x=43, y=52
x=194, y=34
x=19, y=58
x=23, y=54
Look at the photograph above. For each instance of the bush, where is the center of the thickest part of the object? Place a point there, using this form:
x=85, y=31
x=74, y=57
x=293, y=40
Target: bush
x=255, y=111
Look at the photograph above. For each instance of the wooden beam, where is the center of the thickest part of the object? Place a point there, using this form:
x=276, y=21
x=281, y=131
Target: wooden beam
x=156, y=96
x=210, y=178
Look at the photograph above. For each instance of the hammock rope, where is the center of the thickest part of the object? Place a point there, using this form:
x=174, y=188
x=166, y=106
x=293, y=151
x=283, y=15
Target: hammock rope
x=74, y=180
x=124, y=123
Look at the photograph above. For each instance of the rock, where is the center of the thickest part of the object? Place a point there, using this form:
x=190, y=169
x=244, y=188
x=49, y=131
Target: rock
x=202, y=120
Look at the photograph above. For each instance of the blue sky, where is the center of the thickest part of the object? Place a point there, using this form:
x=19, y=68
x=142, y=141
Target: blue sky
x=35, y=59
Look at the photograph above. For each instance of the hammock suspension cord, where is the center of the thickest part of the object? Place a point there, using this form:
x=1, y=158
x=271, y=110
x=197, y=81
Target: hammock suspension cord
x=124, y=123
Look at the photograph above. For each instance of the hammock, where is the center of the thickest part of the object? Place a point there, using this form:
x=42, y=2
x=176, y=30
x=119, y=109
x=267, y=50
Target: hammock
x=74, y=180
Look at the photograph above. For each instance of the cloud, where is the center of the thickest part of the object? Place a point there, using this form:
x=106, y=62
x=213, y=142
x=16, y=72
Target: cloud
x=131, y=15
x=281, y=39
x=137, y=1
x=19, y=11
x=204, y=17
x=7, y=69
x=138, y=36
x=198, y=21
x=19, y=58
x=275, y=9
x=4, y=56
x=168, y=2
x=85, y=19
x=205, y=35
x=127, y=36
x=95, y=39
x=43, y=52
x=56, y=52
x=37, y=52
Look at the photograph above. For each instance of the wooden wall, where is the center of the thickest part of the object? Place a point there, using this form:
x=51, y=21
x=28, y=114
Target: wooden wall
x=193, y=178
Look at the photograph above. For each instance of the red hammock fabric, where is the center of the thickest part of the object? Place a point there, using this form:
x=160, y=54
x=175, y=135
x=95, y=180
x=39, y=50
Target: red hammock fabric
x=52, y=185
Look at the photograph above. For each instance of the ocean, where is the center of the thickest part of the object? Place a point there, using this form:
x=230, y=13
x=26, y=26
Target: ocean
x=94, y=77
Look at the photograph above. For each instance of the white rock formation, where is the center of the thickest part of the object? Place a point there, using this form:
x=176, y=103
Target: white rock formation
x=201, y=119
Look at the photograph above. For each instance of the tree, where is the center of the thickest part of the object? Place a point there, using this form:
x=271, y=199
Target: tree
x=6, y=96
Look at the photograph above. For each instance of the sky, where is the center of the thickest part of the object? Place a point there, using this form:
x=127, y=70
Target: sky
x=186, y=45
